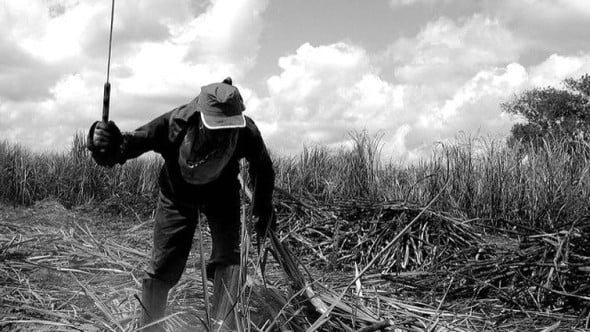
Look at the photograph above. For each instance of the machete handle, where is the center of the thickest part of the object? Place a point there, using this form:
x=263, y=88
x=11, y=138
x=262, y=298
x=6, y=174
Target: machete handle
x=106, y=100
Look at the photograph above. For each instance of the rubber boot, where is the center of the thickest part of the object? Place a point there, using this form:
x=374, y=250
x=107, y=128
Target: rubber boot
x=225, y=295
x=154, y=295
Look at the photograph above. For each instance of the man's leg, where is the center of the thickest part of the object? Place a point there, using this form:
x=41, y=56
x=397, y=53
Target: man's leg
x=222, y=209
x=154, y=294
x=173, y=233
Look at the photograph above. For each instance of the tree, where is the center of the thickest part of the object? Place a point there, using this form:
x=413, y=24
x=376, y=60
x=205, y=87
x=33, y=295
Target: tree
x=562, y=113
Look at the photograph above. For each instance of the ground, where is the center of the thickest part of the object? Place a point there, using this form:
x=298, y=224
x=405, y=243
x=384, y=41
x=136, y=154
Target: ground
x=74, y=270
x=78, y=270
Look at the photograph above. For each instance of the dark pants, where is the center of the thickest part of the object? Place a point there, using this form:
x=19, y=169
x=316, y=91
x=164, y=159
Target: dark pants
x=175, y=224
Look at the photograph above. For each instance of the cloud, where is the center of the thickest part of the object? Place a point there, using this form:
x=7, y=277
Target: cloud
x=549, y=11
x=52, y=35
x=449, y=78
x=321, y=93
x=222, y=41
x=51, y=81
x=556, y=68
x=25, y=75
x=473, y=108
x=543, y=26
x=50, y=123
x=228, y=32
x=22, y=77
x=448, y=50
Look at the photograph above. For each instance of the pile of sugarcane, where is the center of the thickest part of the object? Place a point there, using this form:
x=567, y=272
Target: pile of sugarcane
x=347, y=233
x=542, y=271
x=439, y=254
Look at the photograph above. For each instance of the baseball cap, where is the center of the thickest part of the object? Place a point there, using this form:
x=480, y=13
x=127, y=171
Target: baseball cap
x=221, y=106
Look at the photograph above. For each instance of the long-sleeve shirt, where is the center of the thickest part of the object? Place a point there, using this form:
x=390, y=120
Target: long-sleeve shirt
x=165, y=134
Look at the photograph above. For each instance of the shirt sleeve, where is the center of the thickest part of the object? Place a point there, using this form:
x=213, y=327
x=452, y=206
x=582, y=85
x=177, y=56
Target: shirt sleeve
x=260, y=171
x=161, y=135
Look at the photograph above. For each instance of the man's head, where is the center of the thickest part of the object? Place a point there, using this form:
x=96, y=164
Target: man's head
x=221, y=106
x=208, y=147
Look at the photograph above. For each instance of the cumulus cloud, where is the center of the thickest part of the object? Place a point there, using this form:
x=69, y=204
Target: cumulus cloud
x=449, y=52
x=473, y=108
x=556, y=68
x=443, y=72
x=449, y=78
x=542, y=27
x=227, y=31
x=321, y=93
x=51, y=79
x=48, y=123
x=314, y=102
x=546, y=26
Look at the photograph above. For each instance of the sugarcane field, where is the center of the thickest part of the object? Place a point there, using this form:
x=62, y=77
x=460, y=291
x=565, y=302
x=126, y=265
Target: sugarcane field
x=460, y=243
x=294, y=166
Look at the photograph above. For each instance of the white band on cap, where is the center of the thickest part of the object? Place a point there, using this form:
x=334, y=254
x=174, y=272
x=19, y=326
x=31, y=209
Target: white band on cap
x=229, y=126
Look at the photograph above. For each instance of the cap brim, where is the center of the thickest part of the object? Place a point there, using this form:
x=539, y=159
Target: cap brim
x=223, y=122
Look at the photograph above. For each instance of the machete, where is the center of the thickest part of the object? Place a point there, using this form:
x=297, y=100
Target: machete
x=106, y=99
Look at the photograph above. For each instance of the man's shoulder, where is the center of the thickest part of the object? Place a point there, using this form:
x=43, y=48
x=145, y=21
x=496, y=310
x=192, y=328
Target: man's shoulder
x=184, y=112
x=251, y=127
x=249, y=121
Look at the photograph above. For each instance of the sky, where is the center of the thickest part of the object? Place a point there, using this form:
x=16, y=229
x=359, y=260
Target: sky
x=412, y=72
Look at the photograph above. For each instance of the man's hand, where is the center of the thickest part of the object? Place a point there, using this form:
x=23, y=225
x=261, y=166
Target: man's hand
x=267, y=222
x=104, y=140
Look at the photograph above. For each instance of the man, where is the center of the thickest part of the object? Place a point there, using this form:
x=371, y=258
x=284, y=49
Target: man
x=201, y=143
